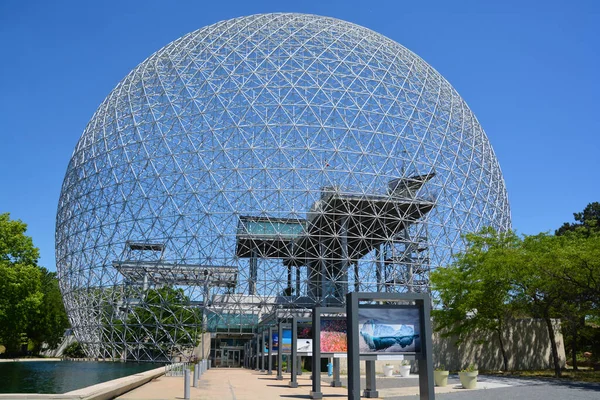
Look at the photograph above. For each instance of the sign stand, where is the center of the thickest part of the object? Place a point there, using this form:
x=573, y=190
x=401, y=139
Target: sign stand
x=336, y=382
x=257, y=354
x=262, y=351
x=316, y=393
x=294, y=358
x=371, y=386
x=423, y=356
x=270, y=341
x=279, y=351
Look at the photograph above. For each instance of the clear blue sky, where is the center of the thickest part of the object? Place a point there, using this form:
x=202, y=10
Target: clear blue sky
x=528, y=69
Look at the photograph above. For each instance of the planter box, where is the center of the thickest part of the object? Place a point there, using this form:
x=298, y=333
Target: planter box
x=468, y=379
x=441, y=377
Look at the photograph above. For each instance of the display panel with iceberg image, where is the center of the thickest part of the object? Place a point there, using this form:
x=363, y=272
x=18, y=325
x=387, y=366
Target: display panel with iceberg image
x=389, y=330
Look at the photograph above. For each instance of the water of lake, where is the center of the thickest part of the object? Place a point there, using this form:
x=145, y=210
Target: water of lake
x=62, y=376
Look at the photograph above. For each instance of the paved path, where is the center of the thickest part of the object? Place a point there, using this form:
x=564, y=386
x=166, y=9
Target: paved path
x=242, y=384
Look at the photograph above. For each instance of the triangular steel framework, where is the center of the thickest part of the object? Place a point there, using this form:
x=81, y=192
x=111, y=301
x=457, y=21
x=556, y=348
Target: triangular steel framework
x=335, y=140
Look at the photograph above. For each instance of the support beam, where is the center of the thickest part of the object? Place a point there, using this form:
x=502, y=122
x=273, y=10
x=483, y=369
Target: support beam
x=293, y=359
x=316, y=393
x=371, y=385
x=270, y=355
x=280, y=351
x=336, y=382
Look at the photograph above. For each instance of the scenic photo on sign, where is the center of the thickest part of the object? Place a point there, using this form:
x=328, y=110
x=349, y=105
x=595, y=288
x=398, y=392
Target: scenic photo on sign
x=334, y=335
x=304, y=344
x=389, y=330
x=286, y=341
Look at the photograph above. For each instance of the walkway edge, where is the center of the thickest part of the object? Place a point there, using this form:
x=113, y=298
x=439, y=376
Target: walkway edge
x=101, y=391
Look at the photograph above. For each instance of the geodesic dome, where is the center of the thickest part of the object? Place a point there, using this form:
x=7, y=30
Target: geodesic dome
x=276, y=160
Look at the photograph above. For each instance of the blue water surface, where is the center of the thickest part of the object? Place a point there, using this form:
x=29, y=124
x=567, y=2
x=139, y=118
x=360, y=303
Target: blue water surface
x=62, y=376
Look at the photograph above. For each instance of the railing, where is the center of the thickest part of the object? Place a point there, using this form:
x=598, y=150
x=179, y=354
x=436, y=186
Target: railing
x=177, y=369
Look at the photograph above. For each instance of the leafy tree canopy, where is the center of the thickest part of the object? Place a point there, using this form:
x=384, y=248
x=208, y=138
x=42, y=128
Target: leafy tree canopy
x=587, y=221
x=30, y=301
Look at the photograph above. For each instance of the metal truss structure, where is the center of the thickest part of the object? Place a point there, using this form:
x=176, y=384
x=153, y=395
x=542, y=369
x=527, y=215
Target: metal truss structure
x=265, y=162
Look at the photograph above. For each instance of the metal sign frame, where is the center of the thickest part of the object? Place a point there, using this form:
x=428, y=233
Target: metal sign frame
x=424, y=358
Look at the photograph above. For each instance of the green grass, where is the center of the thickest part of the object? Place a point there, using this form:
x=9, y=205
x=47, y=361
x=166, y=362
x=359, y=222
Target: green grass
x=584, y=375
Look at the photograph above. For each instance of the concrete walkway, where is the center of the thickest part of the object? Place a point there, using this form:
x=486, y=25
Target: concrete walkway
x=243, y=384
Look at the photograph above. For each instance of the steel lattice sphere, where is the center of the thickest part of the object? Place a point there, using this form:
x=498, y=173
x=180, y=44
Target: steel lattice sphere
x=275, y=160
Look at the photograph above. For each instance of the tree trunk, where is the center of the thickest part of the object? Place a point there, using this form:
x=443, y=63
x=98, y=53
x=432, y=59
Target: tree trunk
x=502, y=349
x=574, y=346
x=557, y=370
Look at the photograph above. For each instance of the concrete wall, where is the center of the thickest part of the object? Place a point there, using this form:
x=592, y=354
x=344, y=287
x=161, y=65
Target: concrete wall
x=526, y=341
x=205, y=340
x=527, y=346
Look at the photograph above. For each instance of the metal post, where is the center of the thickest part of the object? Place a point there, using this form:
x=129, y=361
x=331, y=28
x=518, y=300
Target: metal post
x=371, y=386
x=336, y=382
x=426, y=389
x=316, y=393
x=262, y=352
x=280, y=352
x=298, y=277
x=379, y=268
x=256, y=368
x=353, y=349
x=195, y=378
x=270, y=361
x=186, y=384
x=253, y=273
x=340, y=291
x=294, y=357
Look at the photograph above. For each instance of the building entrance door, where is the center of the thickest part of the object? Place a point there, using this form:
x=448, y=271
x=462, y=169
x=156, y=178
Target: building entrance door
x=234, y=358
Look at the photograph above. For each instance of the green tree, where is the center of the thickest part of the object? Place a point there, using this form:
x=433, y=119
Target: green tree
x=30, y=301
x=535, y=287
x=476, y=289
x=52, y=319
x=582, y=272
x=20, y=282
x=162, y=322
x=499, y=276
x=587, y=221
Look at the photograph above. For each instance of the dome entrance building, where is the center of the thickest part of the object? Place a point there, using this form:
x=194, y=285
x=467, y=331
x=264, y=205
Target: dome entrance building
x=275, y=161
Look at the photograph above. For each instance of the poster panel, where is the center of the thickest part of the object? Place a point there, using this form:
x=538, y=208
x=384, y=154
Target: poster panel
x=286, y=341
x=334, y=335
x=275, y=341
x=304, y=333
x=391, y=329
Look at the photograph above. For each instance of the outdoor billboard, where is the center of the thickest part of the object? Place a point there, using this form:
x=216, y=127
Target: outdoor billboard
x=392, y=329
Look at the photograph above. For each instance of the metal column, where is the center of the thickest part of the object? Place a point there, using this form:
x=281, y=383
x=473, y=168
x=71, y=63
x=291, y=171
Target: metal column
x=336, y=382
x=294, y=357
x=262, y=351
x=316, y=393
x=270, y=355
x=280, y=351
x=256, y=367
x=371, y=386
